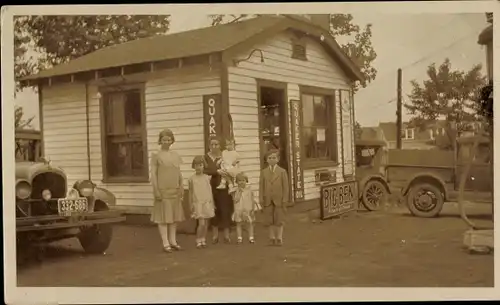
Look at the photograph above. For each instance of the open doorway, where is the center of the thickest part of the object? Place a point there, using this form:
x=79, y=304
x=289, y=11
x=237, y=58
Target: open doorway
x=273, y=123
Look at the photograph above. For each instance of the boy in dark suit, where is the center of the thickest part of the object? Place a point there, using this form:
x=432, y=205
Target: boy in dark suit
x=274, y=196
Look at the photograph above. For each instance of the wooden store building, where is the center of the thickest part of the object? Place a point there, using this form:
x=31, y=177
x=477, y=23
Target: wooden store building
x=272, y=81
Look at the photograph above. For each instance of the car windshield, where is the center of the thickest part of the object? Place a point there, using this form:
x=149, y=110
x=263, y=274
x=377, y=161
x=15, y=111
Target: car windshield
x=364, y=156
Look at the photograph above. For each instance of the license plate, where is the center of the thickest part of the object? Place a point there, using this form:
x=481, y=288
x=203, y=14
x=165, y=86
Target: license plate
x=67, y=207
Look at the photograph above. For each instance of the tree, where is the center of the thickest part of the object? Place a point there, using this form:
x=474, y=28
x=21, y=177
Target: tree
x=19, y=121
x=446, y=94
x=357, y=130
x=61, y=38
x=359, y=50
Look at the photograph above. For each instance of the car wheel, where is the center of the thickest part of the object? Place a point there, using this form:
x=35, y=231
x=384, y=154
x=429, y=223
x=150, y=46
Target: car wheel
x=374, y=195
x=425, y=200
x=96, y=239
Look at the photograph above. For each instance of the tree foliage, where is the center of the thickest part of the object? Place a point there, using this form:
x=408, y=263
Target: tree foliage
x=61, y=38
x=448, y=95
x=19, y=121
x=359, y=49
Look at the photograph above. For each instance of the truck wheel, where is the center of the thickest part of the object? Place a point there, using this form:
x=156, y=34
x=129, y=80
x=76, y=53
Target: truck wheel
x=374, y=195
x=96, y=239
x=425, y=200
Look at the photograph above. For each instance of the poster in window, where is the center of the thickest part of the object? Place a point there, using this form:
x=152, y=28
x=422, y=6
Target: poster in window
x=320, y=135
x=347, y=132
x=212, y=118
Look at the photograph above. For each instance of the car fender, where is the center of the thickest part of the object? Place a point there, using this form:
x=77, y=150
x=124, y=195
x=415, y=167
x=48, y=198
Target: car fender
x=428, y=177
x=365, y=180
x=105, y=196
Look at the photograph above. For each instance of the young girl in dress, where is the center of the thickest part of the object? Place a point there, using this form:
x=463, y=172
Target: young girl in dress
x=201, y=200
x=168, y=190
x=245, y=206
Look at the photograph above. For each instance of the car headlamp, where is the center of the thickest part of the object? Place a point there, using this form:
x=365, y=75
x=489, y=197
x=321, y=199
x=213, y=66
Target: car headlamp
x=85, y=188
x=23, y=190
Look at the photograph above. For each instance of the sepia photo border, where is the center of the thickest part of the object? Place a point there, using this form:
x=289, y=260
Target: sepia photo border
x=18, y=295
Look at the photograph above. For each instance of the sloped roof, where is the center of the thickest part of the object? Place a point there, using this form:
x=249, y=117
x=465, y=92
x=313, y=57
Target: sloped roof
x=185, y=44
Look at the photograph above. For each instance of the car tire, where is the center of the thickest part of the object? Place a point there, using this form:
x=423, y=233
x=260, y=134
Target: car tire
x=374, y=188
x=97, y=238
x=419, y=211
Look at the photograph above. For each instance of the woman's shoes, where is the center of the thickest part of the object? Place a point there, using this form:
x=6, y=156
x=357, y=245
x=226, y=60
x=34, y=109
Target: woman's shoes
x=215, y=240
x=239, y=240
x=167, y=249
x=251, y=240
x=176, y=247
x=227, y=240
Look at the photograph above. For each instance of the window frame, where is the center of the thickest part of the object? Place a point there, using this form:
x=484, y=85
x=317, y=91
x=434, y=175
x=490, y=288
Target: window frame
x=407, y=132
x=301, y=44
x=106, y=177
x=332, y=161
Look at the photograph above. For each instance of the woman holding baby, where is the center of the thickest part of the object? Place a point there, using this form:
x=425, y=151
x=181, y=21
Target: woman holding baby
x=223, y=200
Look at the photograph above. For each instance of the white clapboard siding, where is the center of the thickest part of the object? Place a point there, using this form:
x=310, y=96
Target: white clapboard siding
x=64, y=129
x=320, y=70
x=174, y=102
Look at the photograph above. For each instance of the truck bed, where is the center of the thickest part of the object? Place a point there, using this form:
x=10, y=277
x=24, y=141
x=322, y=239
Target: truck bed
x=431, y=158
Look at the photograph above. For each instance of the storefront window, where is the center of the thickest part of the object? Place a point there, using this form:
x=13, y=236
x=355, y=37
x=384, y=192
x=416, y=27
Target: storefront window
x=316, y=132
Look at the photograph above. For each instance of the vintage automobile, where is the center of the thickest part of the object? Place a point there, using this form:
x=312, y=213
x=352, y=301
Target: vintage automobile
x=370, y=173
x=429, y=178
x=46, y=211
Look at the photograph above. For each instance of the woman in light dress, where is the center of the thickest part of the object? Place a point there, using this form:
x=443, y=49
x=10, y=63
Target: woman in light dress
x=168, y=190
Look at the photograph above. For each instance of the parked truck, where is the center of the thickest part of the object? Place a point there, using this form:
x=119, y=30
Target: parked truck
x=429, y=178
x=423, y=179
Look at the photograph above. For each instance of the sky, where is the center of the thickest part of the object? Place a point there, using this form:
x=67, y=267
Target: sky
x=408, y=41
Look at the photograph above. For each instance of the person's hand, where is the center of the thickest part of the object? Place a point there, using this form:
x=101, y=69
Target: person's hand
x=157, y=194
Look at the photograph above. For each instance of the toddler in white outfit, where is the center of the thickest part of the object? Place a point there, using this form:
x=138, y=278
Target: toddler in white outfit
x=230, y=163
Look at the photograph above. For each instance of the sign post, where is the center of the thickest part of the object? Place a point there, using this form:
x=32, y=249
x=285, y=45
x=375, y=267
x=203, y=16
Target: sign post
x=338, y=198
x=298, y=180
x=212, y=118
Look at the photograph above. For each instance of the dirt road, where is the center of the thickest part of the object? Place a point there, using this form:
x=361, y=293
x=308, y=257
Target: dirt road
x=363, y=250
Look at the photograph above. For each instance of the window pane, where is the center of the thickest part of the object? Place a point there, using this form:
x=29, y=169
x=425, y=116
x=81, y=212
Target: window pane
x=315, y=143
x=137, y=158
x=320, y=111
x=132, y=111
x=308, y=110
x=114, y=114
x=309, y=142
x=124, y=158
x=118, y=159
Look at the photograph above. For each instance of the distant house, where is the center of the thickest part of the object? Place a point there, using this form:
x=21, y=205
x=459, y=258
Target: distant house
x=413, y=137
x=269, y=81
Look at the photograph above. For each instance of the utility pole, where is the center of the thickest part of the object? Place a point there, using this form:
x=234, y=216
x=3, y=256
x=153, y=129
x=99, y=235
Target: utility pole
x=399, y=121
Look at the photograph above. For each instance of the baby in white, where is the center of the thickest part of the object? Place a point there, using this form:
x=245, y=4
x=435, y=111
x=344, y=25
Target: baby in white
x=229, y=163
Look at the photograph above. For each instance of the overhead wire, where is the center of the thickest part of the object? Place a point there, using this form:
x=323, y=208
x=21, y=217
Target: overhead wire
x=421, y=60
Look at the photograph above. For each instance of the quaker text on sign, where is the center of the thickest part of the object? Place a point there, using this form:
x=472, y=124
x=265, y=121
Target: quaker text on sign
x=297, y=148
x=338, y=198
x=212, y=118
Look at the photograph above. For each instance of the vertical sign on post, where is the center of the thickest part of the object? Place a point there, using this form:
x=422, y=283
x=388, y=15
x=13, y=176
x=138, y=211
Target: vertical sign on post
x=297, y=149
x=212, y=117
x=347, y=132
